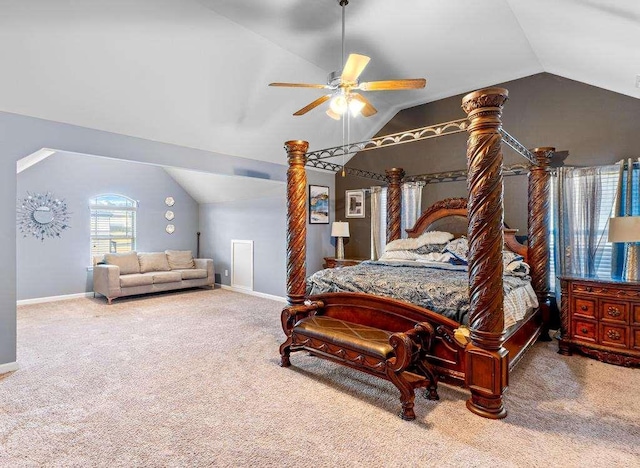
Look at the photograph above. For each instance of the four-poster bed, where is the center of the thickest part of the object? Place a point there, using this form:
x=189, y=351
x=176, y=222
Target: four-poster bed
x=482, y=362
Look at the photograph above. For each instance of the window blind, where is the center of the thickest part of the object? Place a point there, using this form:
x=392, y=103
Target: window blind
x=113, y=224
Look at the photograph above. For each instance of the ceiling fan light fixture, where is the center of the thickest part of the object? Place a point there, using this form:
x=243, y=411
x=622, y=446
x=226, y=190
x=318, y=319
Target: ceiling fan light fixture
x=333, y=115
x=355, y=107
x=339, y=104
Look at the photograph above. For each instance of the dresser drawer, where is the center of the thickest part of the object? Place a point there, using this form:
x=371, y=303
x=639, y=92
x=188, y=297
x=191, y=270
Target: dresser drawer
x=614, y=312
x=581, y=288
x=634, y=339
x=584, y=307
x=635, y=316
x=613, y=335
x=584, y=330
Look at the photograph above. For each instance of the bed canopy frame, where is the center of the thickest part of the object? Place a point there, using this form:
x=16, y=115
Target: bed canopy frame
x=487, y=363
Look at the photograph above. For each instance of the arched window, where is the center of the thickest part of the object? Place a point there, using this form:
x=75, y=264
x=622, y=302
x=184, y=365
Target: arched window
x=113, y=224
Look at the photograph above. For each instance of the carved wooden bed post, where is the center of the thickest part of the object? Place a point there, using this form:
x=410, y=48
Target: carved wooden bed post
x=487, y=360
x=394, y=203
x=538, y=252
x=296, y=221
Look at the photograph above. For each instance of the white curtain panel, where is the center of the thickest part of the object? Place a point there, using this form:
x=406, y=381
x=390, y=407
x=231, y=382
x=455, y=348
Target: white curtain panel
x=411, y=205
x=584, y=204
x=378, y=221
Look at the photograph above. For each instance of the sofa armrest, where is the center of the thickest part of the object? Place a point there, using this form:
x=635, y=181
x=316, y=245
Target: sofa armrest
x=206, y=264
x=106, y=280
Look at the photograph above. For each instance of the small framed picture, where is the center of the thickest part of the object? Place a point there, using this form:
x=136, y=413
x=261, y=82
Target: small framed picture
x=318, y=204
x=354, y=204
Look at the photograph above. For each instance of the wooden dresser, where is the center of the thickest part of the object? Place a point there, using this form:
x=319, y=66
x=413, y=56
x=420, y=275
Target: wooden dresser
x=331, y=262
x=601, y=319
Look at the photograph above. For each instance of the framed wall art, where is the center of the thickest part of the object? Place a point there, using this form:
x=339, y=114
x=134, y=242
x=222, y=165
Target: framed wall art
x=354, y=204
x=318, y=204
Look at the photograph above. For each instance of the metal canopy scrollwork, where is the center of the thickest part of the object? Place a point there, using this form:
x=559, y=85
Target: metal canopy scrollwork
x=455, y=176
x=423, y=133
x=517, y=146
x=318, y=158
x=42, y=215
x=349, y=170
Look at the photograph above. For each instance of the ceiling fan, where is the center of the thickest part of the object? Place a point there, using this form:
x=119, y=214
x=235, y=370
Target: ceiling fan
x=345, y=85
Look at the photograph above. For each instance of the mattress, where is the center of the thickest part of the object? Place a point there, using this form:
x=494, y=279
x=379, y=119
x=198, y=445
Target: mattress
x=442, y=288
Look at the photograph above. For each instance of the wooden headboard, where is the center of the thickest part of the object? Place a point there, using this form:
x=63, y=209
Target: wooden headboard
x=450, y=215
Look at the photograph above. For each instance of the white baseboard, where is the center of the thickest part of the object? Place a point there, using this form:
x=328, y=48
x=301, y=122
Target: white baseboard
x=8, y=367
x=40, y=300
x=254, y=293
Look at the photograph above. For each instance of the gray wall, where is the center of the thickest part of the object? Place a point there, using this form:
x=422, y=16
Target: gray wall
x=58, y=266
x=22, y=135
x=263, y=220
x=596, y=127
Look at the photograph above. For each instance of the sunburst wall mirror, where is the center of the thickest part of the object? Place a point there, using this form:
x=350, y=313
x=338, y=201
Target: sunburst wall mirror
x=42, y=215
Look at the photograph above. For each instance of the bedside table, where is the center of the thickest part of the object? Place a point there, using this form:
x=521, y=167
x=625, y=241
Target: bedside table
x=331, y=262
x=601, y=319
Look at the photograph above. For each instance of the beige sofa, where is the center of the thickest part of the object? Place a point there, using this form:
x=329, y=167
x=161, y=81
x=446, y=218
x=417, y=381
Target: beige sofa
x=118, y=275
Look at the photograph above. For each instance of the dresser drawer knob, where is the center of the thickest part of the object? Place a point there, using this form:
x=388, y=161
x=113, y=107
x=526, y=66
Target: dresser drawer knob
x=584, y=330
x=613, y=312
x=613, y=335
x=589, y=289
x=584, y=307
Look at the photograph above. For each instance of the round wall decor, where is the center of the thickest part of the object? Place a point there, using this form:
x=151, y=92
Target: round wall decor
x=170, y=228
x=169, y=215
x=169, y=201
x=42, y=215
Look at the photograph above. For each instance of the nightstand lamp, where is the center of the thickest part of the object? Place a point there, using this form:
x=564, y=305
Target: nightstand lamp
x=627, y=229
x=340, y=229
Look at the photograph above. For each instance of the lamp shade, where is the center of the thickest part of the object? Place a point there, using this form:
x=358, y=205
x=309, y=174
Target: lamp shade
x=624, y=229
x=340, y=229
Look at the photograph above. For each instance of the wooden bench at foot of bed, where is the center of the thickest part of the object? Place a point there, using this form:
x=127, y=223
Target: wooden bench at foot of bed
x=397, y=356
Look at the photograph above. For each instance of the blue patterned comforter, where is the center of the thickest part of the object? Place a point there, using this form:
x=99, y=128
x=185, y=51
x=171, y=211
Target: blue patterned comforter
x=442, y=289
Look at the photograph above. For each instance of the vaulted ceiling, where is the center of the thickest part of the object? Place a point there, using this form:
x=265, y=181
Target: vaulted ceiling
x=195, y=72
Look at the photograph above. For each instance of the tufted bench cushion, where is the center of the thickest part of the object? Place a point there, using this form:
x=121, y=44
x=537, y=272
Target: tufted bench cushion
x=367, y=340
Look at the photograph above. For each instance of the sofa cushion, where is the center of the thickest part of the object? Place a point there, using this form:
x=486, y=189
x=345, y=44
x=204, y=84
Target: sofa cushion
x=153, y=261
x=193, y=273
x=166, y=277
x=180, y=259
x=136, y=279
x=127, y=262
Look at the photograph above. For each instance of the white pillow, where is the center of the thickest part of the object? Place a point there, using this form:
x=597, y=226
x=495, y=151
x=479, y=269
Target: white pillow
x=399, y=255
x=435, y=257
x=435, y=237
x=430, y=237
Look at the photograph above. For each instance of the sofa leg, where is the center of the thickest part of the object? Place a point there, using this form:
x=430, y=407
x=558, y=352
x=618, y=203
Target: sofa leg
x=109, y=299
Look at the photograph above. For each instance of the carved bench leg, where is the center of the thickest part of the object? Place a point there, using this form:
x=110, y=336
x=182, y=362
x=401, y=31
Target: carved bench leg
x=431, y=393
x=285, y=352
x=407, y=395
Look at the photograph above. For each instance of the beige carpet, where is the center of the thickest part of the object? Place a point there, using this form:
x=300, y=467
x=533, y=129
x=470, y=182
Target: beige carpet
x=192, y=379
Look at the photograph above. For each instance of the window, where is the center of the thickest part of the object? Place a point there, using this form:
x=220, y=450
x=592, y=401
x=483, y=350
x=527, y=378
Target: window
x=602, y=260
x=113, y=224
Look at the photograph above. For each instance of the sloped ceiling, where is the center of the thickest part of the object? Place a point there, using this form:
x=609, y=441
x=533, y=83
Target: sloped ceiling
x=195, y=72
x=205, y=187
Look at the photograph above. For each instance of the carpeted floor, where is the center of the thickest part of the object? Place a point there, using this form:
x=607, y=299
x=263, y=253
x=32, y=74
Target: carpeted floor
x=192, y=379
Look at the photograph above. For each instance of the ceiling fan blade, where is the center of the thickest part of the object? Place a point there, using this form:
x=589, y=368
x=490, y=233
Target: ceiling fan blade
x=392, y=85
x=354, y=66
x=313, y=105
x=368, y=110
x=300, y=85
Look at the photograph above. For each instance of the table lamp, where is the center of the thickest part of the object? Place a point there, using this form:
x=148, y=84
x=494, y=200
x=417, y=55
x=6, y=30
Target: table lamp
x=340, y=229
x=627, y=229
